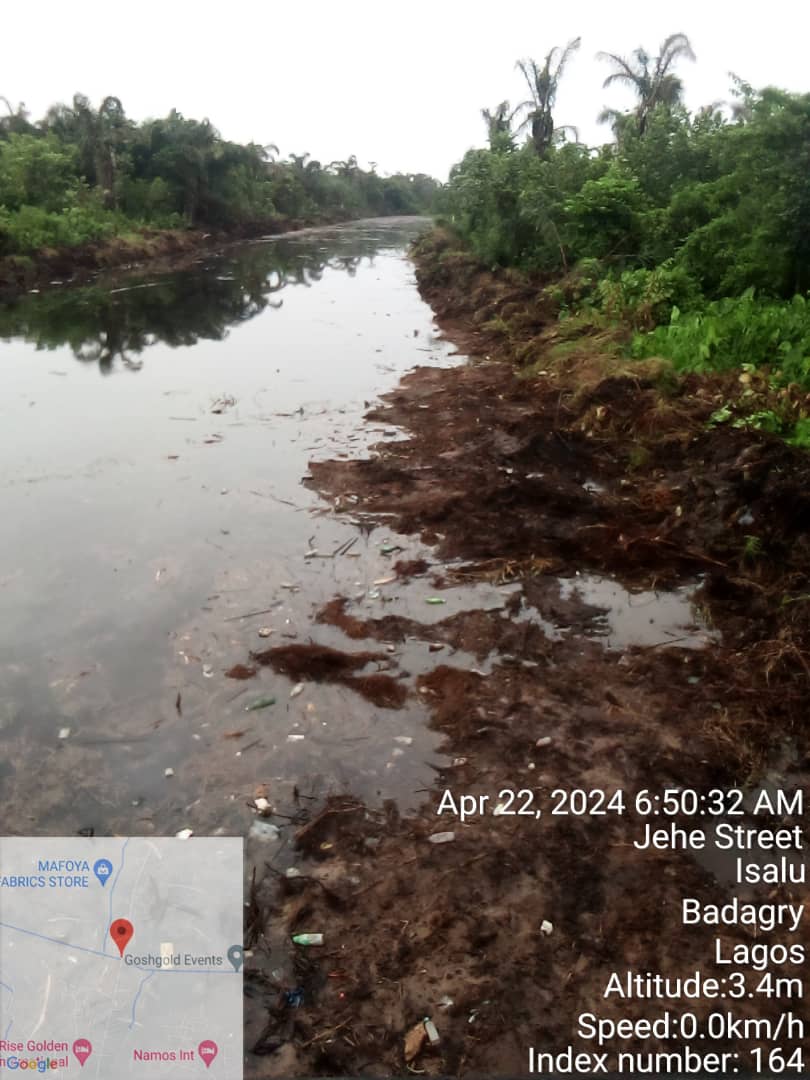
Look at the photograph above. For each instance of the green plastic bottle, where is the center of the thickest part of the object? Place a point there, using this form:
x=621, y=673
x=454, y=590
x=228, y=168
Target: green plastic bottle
x=308, y=939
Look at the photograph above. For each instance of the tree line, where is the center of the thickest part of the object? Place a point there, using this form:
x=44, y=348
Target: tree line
x=85, y=172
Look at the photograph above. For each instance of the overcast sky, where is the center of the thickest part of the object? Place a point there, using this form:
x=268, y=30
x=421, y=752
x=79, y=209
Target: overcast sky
x=398, y=83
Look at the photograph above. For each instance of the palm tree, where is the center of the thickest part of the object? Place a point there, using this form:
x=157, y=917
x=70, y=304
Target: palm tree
x=543, y=83
x=499, y=125
x=16, y=123
x=346, y=169
x=99, y=135
x=651, y=78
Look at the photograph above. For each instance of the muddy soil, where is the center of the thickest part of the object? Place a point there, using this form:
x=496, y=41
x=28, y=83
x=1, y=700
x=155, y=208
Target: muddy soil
x=507, y=932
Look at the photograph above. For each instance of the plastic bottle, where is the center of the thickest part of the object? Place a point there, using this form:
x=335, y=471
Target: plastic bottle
x=307, y=939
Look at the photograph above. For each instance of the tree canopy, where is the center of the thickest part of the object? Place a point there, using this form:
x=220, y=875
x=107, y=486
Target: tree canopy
x=88, y=171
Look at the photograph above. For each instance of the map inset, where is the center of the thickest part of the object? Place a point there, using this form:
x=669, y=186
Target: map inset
x=121, y=957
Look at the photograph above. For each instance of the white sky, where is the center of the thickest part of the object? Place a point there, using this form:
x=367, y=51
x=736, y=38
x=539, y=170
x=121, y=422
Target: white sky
x=398, y=83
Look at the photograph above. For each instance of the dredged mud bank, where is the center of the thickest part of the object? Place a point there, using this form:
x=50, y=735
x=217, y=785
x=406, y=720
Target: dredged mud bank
x=633, y=644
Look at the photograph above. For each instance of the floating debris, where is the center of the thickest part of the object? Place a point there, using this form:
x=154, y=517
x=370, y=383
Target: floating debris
x=208, y=671
x=260, y=703
x=263, y=830
x=441, y=838
x=168, y=772
x=435, y=600
x=240, y=671
x=64, y=732
x=297, y=689
x=227, y=401
x=184, y=834
x=265, y=631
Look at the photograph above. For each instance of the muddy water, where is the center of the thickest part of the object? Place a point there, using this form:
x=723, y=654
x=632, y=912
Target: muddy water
x=156, y=430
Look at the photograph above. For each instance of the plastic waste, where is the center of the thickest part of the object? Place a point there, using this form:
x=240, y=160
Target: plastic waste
x=307, y=939
x=431, y=1032
x=261, y=703
x=546, y=927
x=435, y=600
x=442, y=837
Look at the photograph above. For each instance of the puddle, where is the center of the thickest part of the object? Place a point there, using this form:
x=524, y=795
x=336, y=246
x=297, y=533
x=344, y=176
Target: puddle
x=645, y=617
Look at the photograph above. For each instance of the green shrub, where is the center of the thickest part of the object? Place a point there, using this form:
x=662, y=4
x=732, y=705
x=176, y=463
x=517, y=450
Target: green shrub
x=31, y=228
x=733, y=332
x=644, y=298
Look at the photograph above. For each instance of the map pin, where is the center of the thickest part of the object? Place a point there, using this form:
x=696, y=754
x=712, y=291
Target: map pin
x=208, y=1050
x=121, y=931
x=82, y=1049
x=236, y=955
x=102, y=868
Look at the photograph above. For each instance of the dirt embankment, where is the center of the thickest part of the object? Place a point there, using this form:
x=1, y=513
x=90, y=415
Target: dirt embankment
x=509, y=931
x=155, y=246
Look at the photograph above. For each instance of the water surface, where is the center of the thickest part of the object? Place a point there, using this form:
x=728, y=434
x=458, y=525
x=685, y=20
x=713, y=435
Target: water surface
x=156, y=429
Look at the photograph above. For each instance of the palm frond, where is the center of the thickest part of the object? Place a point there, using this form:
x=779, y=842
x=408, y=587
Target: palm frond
x=530, y=72
x=625, y=72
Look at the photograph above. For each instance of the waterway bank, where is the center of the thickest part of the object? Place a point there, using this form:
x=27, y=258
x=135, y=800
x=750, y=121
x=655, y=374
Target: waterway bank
x=158, y=249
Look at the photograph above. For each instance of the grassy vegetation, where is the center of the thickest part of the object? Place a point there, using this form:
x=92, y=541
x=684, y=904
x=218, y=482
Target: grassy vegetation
x=690, y=230
x=85, y=174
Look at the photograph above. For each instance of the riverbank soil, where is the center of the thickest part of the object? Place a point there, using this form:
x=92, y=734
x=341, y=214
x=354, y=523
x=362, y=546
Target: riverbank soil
x=595, y=496
x=161, y=249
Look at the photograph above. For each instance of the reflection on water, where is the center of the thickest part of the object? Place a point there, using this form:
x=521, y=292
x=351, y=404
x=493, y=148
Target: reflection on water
x=101, y=323
x=156, y=430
